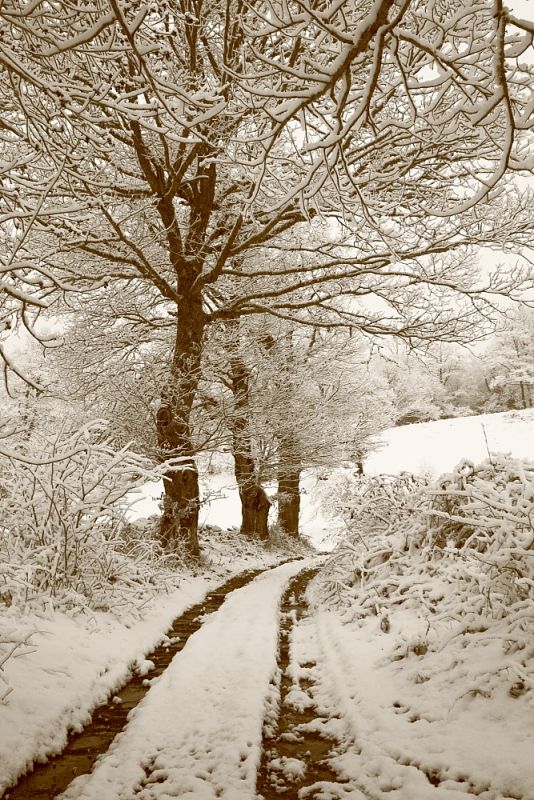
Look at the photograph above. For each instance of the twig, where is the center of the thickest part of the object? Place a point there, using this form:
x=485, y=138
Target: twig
x=487, y=446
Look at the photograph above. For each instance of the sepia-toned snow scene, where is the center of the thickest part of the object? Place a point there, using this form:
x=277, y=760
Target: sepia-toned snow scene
x=267, y=399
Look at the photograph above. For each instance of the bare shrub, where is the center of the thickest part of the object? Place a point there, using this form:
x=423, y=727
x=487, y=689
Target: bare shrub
x=62, y=522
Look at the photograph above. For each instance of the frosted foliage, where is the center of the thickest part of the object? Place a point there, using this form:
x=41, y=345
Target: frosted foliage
x=406, y=66
x=510, y=363
x=62, y=523
x=460, y=556
x=310, y=399
x=370, y=504
x=158, y=144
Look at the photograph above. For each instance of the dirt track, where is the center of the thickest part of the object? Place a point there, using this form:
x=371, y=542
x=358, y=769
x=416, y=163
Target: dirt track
x=48, y=780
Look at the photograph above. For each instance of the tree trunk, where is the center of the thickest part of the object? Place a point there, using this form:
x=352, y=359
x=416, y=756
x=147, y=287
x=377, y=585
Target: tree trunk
x=179, y=521
x=525, y=400
x=289, y=500
x=255, y=504
x=255, y=507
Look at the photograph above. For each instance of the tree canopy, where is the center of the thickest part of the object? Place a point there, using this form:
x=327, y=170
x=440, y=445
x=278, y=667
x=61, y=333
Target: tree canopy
x=278, y=157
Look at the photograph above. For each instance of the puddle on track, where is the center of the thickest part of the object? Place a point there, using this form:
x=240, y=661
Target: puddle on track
x=290, y=740
x=48, y=780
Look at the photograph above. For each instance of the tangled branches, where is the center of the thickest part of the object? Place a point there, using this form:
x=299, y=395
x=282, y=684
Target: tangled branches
x=63, y=533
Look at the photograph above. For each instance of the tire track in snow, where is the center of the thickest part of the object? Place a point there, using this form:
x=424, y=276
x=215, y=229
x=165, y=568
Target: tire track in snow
x=48, y=780
x=300, y=734
x=197, y=734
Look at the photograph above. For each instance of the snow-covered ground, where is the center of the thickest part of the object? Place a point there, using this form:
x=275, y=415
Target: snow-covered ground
x=412, y=729
x=423, y=634
x=433, y=447
x=445, y=715
x=198, y=732
x=71, y=664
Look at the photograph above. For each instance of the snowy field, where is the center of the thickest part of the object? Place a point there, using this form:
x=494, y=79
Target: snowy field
x=430, y=448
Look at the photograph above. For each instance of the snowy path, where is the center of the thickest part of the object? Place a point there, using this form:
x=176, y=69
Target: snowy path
x=273, y=699
x=198, y=731
x=377, y=749
x=49, y=779
x=343, y=733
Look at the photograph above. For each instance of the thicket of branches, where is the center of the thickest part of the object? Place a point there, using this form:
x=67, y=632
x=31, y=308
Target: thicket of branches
x=64, y=537
x=457, y=552
x=298, y=160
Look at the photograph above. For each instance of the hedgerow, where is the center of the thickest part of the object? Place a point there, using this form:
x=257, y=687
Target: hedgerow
x=458, y=552
x=64, y=538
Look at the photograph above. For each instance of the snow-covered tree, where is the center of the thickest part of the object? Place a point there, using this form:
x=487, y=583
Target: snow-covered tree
x=174, y=139
x=459, y=372
x=112, y=362
x=415, y=390
x=249, y=435
x=510, y=363
x=325, y=407
x=299, y=398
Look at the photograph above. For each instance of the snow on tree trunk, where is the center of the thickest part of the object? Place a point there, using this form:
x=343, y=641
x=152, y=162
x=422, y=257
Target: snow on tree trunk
x=179, y=522
x=289, y=500
x=255, y=504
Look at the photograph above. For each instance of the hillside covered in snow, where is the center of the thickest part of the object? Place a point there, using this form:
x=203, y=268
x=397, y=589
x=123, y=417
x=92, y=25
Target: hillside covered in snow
x=432, y=447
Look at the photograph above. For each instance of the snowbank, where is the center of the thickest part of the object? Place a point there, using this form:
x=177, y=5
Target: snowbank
x=76, y=664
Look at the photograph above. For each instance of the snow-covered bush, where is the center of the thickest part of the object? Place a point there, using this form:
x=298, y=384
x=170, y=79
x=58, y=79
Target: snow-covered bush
x=461, y=557
x=62, y=522
x=370, y=505
x=371, y=509
x=480, y=515
x=484, y=516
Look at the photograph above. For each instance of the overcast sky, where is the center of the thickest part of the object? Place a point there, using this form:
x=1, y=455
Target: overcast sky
x=523, y=7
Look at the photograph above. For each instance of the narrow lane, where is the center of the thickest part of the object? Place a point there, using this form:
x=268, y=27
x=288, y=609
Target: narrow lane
x=198, y=732
x=48, y=780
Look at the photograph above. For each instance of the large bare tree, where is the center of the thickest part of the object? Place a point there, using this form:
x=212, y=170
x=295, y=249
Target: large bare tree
x=174, y=139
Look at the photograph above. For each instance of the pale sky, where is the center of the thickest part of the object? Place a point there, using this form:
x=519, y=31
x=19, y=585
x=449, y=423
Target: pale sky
x=523, y=8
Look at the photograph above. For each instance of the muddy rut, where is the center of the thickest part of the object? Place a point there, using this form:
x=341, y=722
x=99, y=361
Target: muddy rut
x=295, y=755
x=48, y=780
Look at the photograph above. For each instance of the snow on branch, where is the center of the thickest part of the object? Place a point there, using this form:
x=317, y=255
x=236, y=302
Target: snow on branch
x=62, y=513
x=154, y=144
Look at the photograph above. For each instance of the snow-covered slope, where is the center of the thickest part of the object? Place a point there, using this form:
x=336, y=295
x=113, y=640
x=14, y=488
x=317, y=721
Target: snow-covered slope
x=435, y=447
